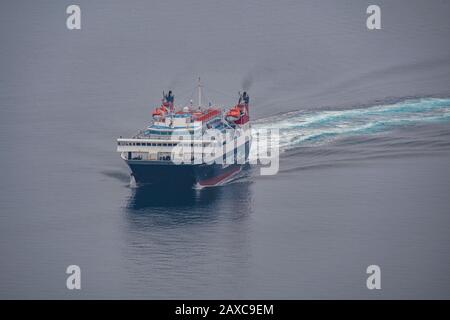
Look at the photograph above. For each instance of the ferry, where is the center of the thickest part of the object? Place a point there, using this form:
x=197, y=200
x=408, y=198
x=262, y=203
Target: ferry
x=178, y=149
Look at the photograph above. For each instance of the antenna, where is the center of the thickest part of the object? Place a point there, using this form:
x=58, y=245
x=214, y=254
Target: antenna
x=199, y=92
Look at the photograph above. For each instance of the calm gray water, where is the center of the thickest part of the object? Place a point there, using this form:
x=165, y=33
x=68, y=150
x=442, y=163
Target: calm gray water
x=364, y=175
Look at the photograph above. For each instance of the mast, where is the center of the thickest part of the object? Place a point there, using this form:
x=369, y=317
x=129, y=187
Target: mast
x=199, y=92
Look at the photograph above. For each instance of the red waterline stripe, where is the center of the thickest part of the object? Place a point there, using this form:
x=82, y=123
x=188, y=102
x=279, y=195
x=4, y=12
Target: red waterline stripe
x=215, y=180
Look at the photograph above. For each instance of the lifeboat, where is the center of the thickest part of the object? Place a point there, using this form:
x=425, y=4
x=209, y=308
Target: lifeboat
x=234, y=114
x=159, y=113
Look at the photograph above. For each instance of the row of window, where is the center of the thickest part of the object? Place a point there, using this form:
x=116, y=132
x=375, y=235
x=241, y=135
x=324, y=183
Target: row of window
x=169, y=133
x=153, y=144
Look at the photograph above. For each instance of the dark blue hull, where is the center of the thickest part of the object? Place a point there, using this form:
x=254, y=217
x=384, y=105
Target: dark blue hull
x=168, y=173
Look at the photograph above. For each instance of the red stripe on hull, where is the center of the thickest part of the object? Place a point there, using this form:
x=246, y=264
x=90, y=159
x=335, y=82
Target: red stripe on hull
x=221, y=178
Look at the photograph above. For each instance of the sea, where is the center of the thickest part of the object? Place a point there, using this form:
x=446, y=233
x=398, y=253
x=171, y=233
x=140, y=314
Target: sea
x=364, y=169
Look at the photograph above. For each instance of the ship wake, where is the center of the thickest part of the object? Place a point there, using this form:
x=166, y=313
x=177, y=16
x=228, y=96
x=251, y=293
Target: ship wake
x=324, y=127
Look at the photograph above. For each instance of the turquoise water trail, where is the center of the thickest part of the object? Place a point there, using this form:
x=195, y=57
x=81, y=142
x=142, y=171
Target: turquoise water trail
x=324, y=126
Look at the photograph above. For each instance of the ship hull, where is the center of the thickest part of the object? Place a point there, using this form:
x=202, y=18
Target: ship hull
x=184, y=175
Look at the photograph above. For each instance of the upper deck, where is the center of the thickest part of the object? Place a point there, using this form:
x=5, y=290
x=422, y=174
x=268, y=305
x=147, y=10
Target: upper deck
x=181, y=123
x=174, y=127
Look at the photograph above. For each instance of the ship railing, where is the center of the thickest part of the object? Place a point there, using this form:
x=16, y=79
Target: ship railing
x=165, y=156
x=159, y=136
